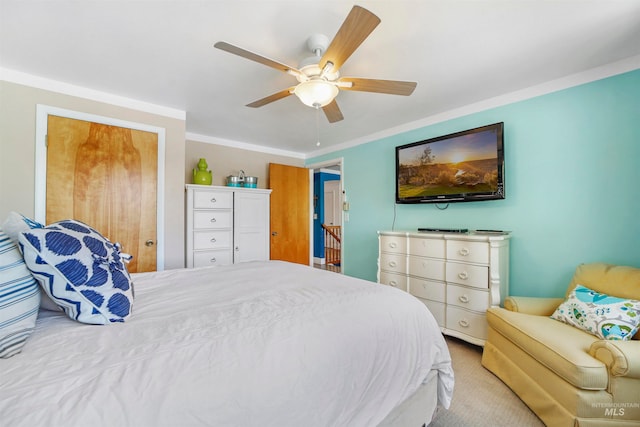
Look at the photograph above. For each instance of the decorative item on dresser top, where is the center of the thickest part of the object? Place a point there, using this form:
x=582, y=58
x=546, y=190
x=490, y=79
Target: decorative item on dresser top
x=226, y=225
x=457, y=275
x=201, y=175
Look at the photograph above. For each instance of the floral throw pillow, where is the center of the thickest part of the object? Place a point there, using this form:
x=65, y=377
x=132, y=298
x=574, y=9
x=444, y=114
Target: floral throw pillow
x=82, y=271
x=602, y=315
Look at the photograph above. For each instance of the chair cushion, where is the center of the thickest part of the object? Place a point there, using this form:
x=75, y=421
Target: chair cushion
x=618, y=280
x=560, y=347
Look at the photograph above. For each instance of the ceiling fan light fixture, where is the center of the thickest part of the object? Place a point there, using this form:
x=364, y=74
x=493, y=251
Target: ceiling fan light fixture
x=316, y=92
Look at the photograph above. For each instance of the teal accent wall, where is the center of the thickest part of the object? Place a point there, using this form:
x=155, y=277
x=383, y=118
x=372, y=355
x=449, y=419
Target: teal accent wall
x=572, y=170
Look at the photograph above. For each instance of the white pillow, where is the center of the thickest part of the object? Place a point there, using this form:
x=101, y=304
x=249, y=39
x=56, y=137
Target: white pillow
x=17, y=223
x=19, y=299
x=82, y=271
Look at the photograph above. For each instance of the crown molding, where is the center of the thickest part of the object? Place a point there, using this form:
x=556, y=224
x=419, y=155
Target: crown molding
x=242, y=145
x=588, y=76
x=25, y=79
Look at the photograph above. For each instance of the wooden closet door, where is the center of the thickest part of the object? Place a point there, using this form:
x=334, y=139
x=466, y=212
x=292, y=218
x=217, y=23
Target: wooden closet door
x=106, y=177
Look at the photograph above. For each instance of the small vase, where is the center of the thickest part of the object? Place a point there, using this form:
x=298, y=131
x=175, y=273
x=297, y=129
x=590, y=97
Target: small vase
x=201, y=175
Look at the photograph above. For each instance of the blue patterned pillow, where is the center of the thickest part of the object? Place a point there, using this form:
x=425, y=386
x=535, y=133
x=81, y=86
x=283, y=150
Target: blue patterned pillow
x=19, y=299
x=82, y=271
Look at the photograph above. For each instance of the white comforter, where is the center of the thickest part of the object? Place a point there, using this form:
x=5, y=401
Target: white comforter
x=256, y=344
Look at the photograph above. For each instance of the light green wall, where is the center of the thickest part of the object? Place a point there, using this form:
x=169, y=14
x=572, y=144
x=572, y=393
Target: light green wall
x=572, y=161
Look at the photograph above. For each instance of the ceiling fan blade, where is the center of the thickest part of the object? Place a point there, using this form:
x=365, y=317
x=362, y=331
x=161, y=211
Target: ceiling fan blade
x=393, y=87
x=271, y=98
x=332, y=111
x=354, y=30
x=257, y=58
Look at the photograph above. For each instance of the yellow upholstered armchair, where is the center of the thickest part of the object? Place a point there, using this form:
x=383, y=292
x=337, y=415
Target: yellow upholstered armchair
x=566, y=375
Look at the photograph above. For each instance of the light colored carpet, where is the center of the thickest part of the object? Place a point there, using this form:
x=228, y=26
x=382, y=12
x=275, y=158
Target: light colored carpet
x=479, y=397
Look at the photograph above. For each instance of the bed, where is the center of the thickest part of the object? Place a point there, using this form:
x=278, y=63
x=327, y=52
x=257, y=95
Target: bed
x=254, y=344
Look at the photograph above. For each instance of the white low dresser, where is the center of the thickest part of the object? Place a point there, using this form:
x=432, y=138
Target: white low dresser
x=458, y=276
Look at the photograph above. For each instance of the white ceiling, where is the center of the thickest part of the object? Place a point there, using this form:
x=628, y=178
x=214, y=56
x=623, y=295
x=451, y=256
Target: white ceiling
x=459, y=52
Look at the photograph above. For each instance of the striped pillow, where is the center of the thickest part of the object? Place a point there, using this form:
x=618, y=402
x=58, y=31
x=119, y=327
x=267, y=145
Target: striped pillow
x=14, y=225
x=19, y=299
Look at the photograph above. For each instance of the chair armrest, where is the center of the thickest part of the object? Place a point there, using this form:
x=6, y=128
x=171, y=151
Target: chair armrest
x=621, y=357
x=531, y=305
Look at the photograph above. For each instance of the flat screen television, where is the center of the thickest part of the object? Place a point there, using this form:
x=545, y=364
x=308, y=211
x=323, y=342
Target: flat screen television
x=464, y=166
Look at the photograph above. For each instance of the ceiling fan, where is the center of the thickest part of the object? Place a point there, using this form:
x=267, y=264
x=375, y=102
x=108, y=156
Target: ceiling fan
x=318, y=76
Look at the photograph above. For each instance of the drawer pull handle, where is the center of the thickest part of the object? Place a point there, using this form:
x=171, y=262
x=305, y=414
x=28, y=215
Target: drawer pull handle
x=213, y=220
x=464, y=275
x=393, y=283
x=464, y=251
x=392, y=264
x=213, y=200
x=212, y=260
x=463, y=298
x=392, y=245
x=213, y=240
x=464, y=323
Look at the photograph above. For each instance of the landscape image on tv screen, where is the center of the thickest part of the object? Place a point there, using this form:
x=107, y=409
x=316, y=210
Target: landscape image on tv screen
x=463, y=164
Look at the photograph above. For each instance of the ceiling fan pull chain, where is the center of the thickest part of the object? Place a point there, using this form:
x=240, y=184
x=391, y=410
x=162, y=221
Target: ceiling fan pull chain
x=318, y=126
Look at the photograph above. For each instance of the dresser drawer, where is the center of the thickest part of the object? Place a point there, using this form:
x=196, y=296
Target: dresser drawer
x=393, y=244
x=437, y=309
x=427, y=247
x=394, y=263
x=469, y=298
x=426, y=268
x=427, y=289
x=210, y=258
x=392, y=279
x=469, y=275
x=465, y=251
x=212, y=219
x=212, y=239
x=467, y=322
x=212, y=200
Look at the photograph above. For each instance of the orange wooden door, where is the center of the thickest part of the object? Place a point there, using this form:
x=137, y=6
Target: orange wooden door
x=290, y=224
x=106, y=177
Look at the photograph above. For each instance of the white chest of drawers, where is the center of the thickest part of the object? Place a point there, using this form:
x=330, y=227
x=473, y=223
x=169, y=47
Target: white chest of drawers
x=226, y=225
x=456, y=275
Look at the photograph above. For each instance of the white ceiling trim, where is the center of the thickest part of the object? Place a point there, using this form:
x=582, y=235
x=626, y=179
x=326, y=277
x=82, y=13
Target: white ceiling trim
x=598, y=73
x=242, y=145
x=25, y=79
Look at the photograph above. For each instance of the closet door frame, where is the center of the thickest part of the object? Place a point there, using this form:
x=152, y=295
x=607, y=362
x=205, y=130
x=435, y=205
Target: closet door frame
x=40, y=202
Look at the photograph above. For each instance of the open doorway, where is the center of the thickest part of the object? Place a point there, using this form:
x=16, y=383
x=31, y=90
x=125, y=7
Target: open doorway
x=328, y=218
